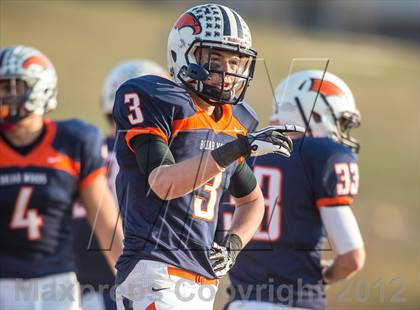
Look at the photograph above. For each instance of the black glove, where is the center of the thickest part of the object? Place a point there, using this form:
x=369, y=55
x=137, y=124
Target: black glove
x=223, y=257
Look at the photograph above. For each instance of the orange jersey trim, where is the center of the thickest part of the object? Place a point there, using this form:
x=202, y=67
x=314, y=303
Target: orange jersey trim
x=87, y=181
x=136, y=131
x=43, y=155
x=9, y=156
x=228, y=124
x=58, y=161
x=192, y=276
x=336, y=201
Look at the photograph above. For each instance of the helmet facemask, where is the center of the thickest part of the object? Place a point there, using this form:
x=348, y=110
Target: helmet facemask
x=226, y=72
x=345, y=122
x=14, y=94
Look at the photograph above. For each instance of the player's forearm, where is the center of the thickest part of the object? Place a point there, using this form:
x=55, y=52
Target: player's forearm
x=173, y=181
x=111, y=244
x=345, y=266
x=248, y=215
x=108, y=232
x=102, y=215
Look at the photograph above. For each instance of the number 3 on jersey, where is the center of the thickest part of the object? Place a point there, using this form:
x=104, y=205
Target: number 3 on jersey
x=207, y=213
x=23, y=217
x=133, y=101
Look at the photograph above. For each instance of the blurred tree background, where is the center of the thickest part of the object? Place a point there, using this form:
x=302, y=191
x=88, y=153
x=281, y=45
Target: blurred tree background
x=372, y=45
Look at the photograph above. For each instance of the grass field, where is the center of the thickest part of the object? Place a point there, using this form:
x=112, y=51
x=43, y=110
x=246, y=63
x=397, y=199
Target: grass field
x=86, y=39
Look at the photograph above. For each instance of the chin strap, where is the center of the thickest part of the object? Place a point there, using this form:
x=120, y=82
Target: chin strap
x=213, y=92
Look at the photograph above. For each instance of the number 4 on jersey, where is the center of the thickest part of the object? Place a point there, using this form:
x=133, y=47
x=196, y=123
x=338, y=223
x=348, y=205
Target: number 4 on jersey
x=23, y=217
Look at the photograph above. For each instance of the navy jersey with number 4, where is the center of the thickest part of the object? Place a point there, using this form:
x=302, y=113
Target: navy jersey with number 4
x=180, y=231
x=286, y=248
x=37, y=193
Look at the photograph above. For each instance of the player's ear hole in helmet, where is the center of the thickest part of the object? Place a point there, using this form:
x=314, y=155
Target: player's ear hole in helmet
x=209, y=52
x=316, y=117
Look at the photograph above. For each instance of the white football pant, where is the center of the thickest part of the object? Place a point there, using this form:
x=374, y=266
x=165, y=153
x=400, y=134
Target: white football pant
x=59, y=291
x=156, y=285
x=258, y=305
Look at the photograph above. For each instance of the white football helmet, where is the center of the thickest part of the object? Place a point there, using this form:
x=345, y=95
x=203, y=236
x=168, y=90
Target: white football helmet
x=215, y=27
x=123, y=72
x=35, y=69
x=329, y=99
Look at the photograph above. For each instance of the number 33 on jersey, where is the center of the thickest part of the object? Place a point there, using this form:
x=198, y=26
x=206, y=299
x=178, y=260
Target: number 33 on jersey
x=331, y=178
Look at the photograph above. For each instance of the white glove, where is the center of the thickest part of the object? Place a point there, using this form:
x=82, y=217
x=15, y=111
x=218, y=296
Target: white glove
x=223, y=257
x=273, y=139
x=222, y=262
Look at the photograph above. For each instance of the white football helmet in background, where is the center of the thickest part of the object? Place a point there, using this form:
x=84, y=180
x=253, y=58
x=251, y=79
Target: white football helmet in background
x=329, y=99
x=123, y=72
x=36, y=70
x=215, y=27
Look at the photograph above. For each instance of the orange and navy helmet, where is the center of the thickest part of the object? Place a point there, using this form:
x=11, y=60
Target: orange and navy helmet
x=319, y=101
x=23, y=65
x=216, y=28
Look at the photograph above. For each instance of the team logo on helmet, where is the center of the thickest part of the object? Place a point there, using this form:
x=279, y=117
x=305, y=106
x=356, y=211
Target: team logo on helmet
x=36, y=60
x=188, y=20
x=325, y=88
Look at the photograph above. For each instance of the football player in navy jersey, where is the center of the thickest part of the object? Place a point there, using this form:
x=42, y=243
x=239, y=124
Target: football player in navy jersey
x=179, y=146
x=92, y=269
x=45, y=166
x=307, y=196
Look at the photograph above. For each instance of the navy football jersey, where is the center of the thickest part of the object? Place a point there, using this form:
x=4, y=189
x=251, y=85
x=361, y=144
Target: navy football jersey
x=180, y=231
x=92, y=267
x=37, y=193
x=286, y=249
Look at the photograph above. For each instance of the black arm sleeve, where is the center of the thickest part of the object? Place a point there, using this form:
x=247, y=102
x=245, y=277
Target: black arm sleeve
x=151, y=152
x=243, y=181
